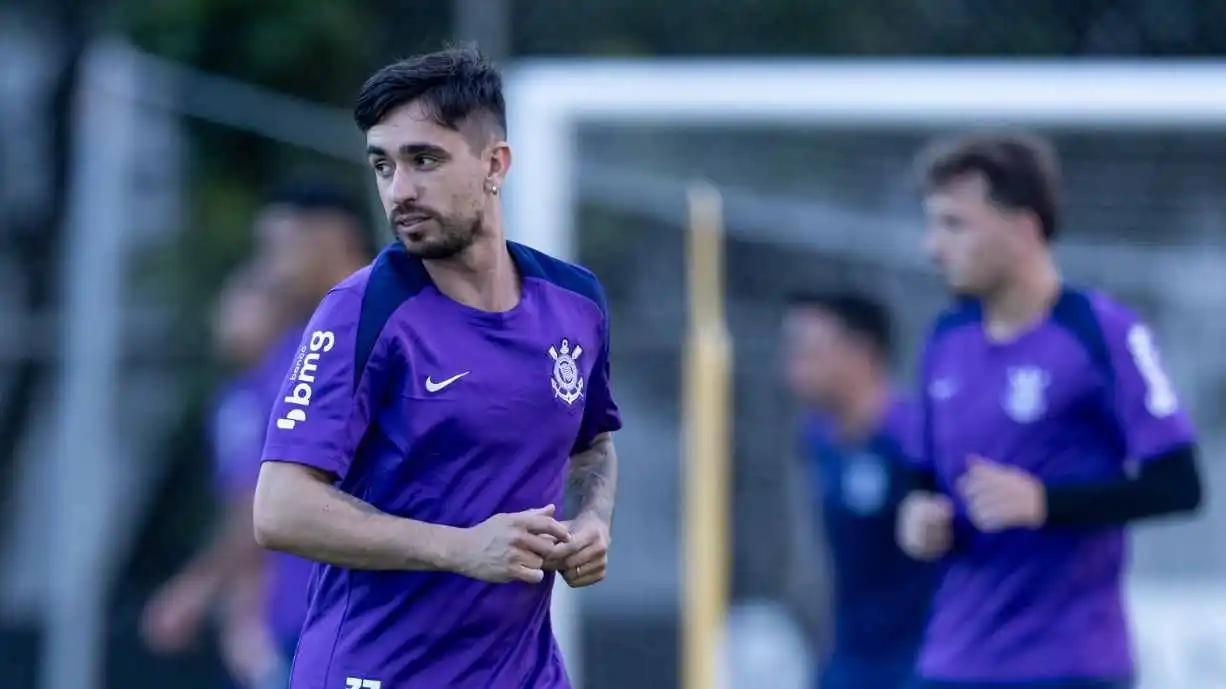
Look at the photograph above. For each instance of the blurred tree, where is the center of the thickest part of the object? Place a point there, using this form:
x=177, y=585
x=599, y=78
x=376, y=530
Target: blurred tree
x=881, y=28
x=317, y=51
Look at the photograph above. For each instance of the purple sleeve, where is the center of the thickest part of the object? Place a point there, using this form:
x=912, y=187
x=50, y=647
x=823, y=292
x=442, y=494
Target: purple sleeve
x=1144, y=401
x=237, y=439
x=600, y=413
x=916, y=438
x=322, y=412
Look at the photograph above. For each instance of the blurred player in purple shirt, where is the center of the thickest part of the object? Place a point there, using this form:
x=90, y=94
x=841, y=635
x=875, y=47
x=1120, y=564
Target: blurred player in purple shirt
x=226, y=575
x=310, y=236
x=1049, y=425
x=442, y=401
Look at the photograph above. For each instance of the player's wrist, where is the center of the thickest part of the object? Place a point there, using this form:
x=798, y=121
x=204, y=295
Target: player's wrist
x=447, y=551
x=1040, y=512
x=594, y=514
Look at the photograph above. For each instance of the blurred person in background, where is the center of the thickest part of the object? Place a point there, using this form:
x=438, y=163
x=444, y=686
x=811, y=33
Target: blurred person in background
x=227, y=576
x=450, y=395
x=855, y=433
x=1048, y=425
x=309, y=235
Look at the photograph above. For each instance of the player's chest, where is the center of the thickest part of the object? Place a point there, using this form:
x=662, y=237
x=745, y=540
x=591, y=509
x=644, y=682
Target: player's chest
x=1006, y=402
x=495, y=383
x=856, y=484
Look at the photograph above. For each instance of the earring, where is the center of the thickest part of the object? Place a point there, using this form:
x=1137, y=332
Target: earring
x=492, y=188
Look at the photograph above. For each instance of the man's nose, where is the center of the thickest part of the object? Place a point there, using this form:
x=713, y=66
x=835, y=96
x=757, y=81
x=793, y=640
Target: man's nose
x=404, y=187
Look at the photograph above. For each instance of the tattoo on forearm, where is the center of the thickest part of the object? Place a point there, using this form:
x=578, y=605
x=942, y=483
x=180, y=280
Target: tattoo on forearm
x=593, y=478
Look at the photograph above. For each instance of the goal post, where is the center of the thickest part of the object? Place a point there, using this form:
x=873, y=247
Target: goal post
x=550, y=100
x=547, y=100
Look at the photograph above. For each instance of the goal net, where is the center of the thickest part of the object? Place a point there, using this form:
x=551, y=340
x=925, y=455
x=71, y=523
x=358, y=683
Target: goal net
x=814, y=160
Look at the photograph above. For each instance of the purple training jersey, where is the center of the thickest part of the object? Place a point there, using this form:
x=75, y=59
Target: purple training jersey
x=434, y=411
x=1073, y=400
x=238, y=430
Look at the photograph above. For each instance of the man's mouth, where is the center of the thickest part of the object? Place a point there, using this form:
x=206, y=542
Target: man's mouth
x=407, y=221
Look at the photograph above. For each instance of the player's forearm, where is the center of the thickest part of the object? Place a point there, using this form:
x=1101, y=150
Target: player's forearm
x=299, y=512
x=1165, y=485
x=230, y=551
x=592, y=482
x=244, y=596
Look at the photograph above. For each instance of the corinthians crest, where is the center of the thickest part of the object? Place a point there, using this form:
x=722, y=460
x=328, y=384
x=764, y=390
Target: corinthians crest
x=567, y=381
x=1026, y=399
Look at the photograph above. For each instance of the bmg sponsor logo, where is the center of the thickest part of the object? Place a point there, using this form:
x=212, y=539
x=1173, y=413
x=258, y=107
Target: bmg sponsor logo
x=303, y=377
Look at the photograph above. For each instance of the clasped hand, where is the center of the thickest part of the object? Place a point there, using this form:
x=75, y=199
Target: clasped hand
x=999, y=496
x=524, y=545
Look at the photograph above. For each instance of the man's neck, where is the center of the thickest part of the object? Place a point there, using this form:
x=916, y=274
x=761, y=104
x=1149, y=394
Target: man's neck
x=483, y=276
x=1026, y=299
x=863, y=410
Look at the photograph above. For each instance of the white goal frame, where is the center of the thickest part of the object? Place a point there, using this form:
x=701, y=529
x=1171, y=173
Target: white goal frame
x=548, y=100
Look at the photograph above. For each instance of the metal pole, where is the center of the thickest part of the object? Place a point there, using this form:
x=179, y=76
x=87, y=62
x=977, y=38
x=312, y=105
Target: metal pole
x=90, y=347
x=706, y=405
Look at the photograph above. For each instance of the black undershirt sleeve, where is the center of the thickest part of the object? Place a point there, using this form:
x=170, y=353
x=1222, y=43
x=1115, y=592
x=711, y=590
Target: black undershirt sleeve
x=1166, y=484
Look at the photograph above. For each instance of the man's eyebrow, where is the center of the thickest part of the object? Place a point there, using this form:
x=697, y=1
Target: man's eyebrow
x=406, y=150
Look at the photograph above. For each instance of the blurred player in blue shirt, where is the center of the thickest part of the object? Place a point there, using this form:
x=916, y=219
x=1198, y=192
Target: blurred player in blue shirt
x=857, y=432
x=1048, y=425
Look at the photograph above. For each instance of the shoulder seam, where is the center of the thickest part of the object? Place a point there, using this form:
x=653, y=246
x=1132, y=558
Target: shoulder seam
x=555, y=271
x=1094, y=339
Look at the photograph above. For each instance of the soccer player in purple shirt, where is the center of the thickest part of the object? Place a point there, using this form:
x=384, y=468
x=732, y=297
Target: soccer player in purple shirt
x=1049, y=425
x=443, y=400
x=858, y=434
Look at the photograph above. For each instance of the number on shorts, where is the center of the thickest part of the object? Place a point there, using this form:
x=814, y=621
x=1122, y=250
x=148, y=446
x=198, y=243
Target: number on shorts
x=358, y=683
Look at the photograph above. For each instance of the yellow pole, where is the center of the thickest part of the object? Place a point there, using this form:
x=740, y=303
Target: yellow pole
x=706, y=443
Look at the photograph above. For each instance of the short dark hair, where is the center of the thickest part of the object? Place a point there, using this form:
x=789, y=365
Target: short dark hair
x=452, y=85
x=309, y=195
x=1022, y=171
x=863, y=316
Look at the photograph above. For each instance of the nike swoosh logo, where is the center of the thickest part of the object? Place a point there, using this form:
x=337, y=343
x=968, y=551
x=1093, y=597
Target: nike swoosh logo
x=432, y=386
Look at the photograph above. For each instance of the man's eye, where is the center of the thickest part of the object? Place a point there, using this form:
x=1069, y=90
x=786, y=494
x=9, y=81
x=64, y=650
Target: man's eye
x=382, y=168
x=426, y=160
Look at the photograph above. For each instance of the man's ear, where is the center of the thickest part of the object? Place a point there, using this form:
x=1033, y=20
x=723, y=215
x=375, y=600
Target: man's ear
x=499, y=163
